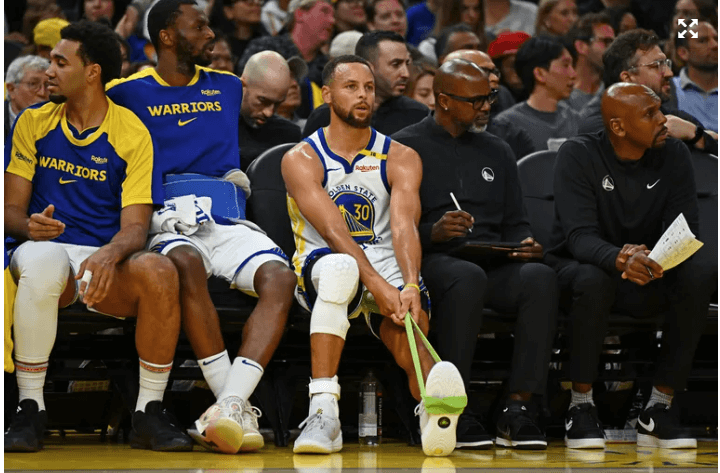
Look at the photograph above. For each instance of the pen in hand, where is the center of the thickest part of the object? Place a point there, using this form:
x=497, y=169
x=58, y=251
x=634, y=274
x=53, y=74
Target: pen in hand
x=452, y=196
x=650, y=272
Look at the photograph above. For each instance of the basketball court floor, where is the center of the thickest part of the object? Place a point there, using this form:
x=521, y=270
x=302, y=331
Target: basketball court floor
x=78, y=453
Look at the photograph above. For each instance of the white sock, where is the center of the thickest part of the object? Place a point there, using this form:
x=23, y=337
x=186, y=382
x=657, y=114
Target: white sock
x=657, y=397
x=326, y=402
x=31, y=379
x=216, y=369
x=153, y=381
x=580, y=398
x=244, y=377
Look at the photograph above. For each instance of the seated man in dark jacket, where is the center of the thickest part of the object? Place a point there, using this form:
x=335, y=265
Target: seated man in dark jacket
x=387, y=53
x=480, y=170
x=615, y=192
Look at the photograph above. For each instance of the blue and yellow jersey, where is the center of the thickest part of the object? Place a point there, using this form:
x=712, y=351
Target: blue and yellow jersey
x=194, y=127
x=89, y=177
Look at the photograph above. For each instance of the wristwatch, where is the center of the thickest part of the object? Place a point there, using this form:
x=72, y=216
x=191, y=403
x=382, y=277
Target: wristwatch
x=699, y=132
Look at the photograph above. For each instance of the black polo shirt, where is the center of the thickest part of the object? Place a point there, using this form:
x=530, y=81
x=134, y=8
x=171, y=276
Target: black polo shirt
x=393, y=115
x=480, y=170
x=602, y=203
x=254, y=141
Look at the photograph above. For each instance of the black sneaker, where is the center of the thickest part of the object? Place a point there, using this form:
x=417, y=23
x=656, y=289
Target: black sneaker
x=27, y=428
x=582, y=427
x=516, y=428
x=471, y=433
x=659, y=428
x=155, y=430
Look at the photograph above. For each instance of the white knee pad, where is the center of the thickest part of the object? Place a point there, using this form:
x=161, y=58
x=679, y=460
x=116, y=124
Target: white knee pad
x=336, y=279
x=41, y=270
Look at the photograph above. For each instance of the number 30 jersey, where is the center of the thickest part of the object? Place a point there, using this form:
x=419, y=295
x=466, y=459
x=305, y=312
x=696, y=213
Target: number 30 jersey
x=361, y=193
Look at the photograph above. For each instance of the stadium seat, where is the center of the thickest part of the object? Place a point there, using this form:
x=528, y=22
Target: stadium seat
x=706, y=181
x=535, y=172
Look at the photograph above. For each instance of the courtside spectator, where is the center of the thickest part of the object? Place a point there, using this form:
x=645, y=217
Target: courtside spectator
x=46, y=35
x=555, y=17
x=587, y=41
x=386, y=15
x=545, y=68
x=503, y=51
x=350, y=15
x=696, y=87
x=26, y=84
x=421, y=20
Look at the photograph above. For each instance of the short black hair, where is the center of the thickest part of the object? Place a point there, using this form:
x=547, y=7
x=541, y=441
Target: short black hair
x=329, y=70
x=620, y=56
x=370, y=9
x=538, y=51
x=163, y=15
x=583, y=30
x=98, y=45
x=444, y=37
x=367, y=45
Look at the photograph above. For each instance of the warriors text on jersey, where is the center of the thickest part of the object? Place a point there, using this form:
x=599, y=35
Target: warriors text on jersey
x=90, y=176
x=361, y=193
x=194, y=127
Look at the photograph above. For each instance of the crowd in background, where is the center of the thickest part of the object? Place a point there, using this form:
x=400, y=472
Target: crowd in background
x=432, y=29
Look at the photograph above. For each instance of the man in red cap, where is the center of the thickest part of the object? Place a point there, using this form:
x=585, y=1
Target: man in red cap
x=503, y=51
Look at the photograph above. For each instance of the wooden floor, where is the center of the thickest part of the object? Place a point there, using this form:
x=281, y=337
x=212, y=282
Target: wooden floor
x=86, y=453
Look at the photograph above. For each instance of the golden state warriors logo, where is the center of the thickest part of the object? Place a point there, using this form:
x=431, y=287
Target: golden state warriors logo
x=359, y=215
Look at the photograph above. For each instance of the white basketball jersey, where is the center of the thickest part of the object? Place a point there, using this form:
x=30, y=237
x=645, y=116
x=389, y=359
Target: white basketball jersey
x=361, y=193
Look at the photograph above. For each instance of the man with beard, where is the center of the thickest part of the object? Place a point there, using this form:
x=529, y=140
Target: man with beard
x=615, y=192
x=587, y=41
x=697, y=86
x=519, y=140
x=479, y=169
x=266, y=81
x=387, y=53
x=344, y=183
x=78, y=200
x=545, y=68
x=635, y=56
x=192, y=113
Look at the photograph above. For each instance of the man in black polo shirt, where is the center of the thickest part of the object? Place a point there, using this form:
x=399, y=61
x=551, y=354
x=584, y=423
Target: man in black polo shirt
x=635, y=56
x=480, y=170
x=387, y=53
x=266, y=80
x=615, y=191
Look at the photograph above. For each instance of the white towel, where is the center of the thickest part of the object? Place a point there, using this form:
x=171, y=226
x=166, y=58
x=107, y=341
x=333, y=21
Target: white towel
x=183, y=215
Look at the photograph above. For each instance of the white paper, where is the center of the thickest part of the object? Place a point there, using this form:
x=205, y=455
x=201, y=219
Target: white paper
x=675, y=245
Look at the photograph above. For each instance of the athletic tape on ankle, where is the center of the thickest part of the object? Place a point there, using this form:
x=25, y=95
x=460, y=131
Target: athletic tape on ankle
x=448, y=405
x=323, y=385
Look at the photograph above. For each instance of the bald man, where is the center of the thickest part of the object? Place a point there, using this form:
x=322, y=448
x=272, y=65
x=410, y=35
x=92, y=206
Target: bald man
x=480, y=171
x=519, y=140
x=192, y=113
x=615, y=192
x=266, y=80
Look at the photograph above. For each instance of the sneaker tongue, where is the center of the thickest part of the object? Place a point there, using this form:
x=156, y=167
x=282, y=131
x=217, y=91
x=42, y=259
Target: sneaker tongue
x=29, y=406
x=153, y=407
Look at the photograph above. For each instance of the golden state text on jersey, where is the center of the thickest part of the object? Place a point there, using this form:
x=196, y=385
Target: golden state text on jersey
x=194, y=128
x=88, y=176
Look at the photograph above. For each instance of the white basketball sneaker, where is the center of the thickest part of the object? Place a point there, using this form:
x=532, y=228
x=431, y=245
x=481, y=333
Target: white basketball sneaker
x=252, y=438
x=321, y=434
x=220, y=428
x=438, y=431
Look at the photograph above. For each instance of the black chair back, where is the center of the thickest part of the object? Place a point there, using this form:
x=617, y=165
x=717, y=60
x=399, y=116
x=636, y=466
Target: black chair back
x=536, y=180
x=706, y=181
x=267, y=205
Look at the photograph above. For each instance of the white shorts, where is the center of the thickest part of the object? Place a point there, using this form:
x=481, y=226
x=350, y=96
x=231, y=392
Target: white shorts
x=384, y=262
x=231, y=252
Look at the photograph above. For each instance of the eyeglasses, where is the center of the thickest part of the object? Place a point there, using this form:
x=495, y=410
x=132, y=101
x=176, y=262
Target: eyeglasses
x=660, y=64
x=478, y=101
x=494, y=70
x=35, y=85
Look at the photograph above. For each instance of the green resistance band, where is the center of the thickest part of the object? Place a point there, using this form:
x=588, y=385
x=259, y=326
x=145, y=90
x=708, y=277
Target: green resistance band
x=441, y=406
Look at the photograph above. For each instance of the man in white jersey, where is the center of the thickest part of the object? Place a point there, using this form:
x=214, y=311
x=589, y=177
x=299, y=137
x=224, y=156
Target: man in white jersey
x=353, y=198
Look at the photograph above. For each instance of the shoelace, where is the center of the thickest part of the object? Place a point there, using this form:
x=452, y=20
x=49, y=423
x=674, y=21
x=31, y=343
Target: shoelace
x=253, y=412
x=419, y=408
x=312, y=421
